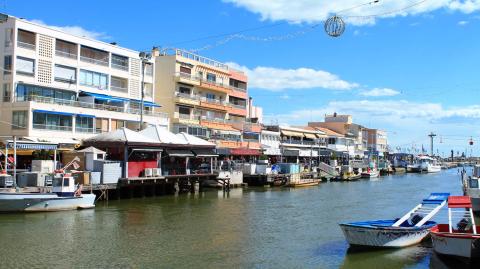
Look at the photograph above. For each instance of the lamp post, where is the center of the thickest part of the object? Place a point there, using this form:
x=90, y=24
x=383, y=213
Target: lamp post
x=145, y=58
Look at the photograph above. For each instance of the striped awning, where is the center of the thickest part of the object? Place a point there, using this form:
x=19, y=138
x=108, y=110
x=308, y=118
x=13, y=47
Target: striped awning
x=34, y=146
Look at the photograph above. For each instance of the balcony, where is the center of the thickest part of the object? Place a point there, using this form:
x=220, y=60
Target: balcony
x=52, y=127
x=187, y=119
x=237, y=110
x=220, y=124
x=187, y=78
x=66, y=54
x=301, y=143
x=119, y=89
x=185, y=98
x=214, y=104
x=49, y=100
x=214, y=86
x=101, y=62
x=120, y=67
x=26, y=45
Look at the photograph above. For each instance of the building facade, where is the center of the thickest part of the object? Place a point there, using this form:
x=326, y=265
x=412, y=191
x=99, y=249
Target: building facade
x=207, y=99
x=58, y=86
x=376, y=141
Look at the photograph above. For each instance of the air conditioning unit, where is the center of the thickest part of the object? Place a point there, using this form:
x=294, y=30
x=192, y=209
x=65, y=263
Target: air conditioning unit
x=157, y=172
x=148, y=172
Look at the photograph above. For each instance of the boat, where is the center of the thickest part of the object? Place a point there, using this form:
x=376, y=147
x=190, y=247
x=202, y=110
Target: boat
x=370, y=173
x=471, y=187
x=408, y=230
x=64, y=196
x=302, y=182
x=429, y=164
x=461, y=240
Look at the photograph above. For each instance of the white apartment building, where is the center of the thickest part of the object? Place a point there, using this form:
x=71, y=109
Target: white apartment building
x=59, y=87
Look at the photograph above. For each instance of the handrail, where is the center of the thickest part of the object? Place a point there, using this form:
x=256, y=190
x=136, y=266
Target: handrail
x=94, y=61
x=66, y=54
x=26, y=45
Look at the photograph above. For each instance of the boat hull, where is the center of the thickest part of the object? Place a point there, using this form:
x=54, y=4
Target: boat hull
x=388, y=237
x=370, y=175
x=462, y=245
x=44, y=202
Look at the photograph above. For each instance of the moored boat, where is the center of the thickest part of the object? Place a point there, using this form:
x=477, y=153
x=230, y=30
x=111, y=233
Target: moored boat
x=64, y=196
x=370, y=173
x=429, y=164
x=408, y=230
x=462, y=240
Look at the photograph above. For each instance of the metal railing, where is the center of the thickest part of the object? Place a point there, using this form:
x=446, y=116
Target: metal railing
x=66, y=54
x=213, y=101
x=52, y=127
x=237, y=89
x=118, y=89
x=26, y=45
x=49, y=100
x=94, y=61
x=120, y=67
x=188, y=96
x=239, y=106
x=84, y=130
x=187, y=76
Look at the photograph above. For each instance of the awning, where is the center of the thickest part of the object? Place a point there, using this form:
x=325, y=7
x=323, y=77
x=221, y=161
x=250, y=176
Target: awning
x=205, y=153
x=312, y=136
x=34, y=146
x=86, y=115
x=229, y=132
x=179, y=153
x=244, y=152
x=105, y=97
x=53, y=112
x=289, y=133
x=291, y=153
x=147, y=150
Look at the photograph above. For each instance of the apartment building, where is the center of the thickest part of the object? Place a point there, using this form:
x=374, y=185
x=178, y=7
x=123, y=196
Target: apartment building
x=376, y=141
x=208, y=99
x=58, y=87
x=343, y=124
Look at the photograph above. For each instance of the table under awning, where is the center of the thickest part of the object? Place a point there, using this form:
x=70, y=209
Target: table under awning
x=179, y=153
x=205, y=153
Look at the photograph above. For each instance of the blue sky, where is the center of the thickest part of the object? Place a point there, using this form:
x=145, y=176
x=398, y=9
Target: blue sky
x=411, y=71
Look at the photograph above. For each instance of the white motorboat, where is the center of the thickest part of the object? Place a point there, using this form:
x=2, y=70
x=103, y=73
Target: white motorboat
x=429, y=164
x=462, y=240
x=408, y=230
x=64, y=196
x=370, y=173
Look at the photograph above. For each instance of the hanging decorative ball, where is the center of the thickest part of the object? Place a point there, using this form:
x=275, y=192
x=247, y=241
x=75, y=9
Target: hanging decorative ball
x=334, y=26
x=470, y=142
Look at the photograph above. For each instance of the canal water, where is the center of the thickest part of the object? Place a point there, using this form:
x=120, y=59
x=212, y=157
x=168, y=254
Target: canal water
x=248, y=228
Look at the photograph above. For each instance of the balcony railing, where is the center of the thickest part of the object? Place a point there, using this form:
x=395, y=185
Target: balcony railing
x=120, y=67
x=187, y=76
x=103, y=62
x=118, y=89
x=237, y=89
x=66, y=54
x=49, y=100
x=26, y=45
x=300, y=142
x=239, y=106
x=52, y=127
x=214, y=101
x=186, y=95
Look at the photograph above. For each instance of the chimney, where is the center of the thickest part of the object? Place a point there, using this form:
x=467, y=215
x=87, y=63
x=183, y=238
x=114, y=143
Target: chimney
x=155, y=52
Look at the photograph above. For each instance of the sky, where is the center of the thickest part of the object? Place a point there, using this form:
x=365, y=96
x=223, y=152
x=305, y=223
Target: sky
x=409, y=67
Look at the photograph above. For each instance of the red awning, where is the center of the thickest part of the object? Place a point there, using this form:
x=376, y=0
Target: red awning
x=245, y=152
x=459, y=202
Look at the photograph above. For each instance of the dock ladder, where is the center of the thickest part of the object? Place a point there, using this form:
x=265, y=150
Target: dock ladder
x=460, y=207
x=426, y=210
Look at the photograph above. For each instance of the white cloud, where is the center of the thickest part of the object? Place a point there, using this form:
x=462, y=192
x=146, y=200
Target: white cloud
x=277, y=79
x=311, y=11
x=76, y=30
x=376, y=92
x=462, y=23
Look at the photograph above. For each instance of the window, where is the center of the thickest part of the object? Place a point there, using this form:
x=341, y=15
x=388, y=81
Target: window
x=184, y=110
x=119, y=84
x=66, y=49
x=185, y=70
x=184, y=90
x=28, y=92
x=19, y=119
x=211, y=77
x=84, y=124
x=65, y=74
x=197, y=131
x=93, y=79
x=26, y=39
x=210, y=96
x=119, y=62
x=7, y=64
x=149, y=69
x=8, y=37
x=25, y=66
x=7, y=93
x=200, y=74
x=49, y=121
x=94, y=56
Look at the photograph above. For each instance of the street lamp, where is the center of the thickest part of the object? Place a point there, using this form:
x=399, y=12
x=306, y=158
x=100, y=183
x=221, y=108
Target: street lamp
x=145, y=58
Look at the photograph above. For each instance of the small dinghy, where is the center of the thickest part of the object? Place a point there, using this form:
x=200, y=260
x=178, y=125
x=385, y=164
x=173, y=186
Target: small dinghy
x=408, y=230
x=462, y=240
